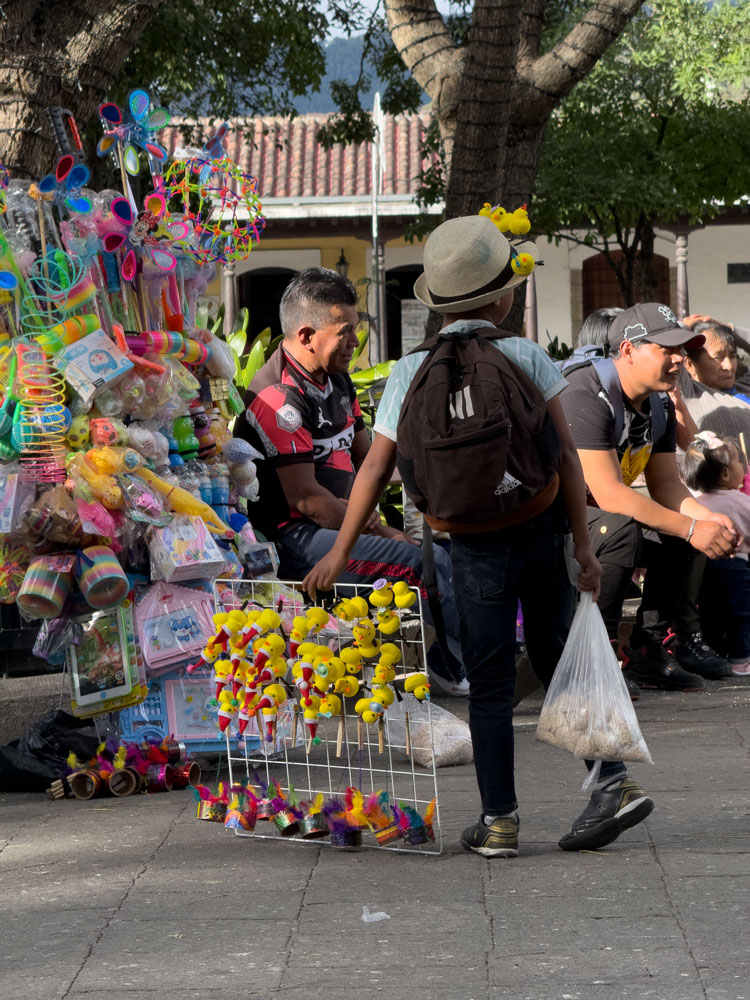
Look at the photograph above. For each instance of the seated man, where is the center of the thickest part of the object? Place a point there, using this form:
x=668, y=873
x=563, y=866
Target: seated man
x=646, y=344
x=303, y=415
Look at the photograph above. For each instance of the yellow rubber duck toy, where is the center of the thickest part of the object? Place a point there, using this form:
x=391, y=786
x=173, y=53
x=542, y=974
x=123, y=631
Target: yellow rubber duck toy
x=388, y=621
x=222, y=671
x=383, y=695
x=364, y=639
x=522, y=263
x=347, y=685
x=383, y=674
x=330, y=706
x=318, y=618
x=301, y=625
x=403, y=595
x=419, y=686
x=518, y=221
x=351, y=608
x=352, y=659
x=390, y=654
x=368, y=710
x=310, y=718
x=382, y=594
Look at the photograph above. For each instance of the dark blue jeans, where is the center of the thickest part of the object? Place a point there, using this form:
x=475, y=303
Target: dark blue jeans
x=374, y=557
x=491, y=573
x=725, y=607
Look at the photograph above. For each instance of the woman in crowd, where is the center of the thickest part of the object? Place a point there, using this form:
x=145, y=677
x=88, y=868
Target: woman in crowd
x=709, y=386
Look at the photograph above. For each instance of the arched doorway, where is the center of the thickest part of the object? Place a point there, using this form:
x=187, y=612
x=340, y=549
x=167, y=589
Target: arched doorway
x=405, y=316
x=601, y=289
x=260, y=292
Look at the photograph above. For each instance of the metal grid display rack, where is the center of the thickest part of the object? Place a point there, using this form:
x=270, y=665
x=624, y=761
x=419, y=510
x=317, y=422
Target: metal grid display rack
x=347, y=752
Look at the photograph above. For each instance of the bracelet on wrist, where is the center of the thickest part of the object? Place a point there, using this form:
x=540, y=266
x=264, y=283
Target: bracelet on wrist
x=691, y=529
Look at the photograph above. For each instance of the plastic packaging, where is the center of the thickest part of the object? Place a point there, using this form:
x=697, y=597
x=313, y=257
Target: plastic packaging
x=173, y=624
x=451, y=739
x=184, y=550
x=587, y=709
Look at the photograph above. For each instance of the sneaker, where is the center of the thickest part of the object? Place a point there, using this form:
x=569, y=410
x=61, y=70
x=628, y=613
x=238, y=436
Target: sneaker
x=611, y=810
x=652, y=667
x=695, y=654
x=458, y=688
x=498, y=840
x=740, y=669
x=633, y=690
x=442, y=678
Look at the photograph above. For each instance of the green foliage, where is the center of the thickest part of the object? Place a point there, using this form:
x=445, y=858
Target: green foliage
x=656, y=132
x=235, y=58
x=558, y=350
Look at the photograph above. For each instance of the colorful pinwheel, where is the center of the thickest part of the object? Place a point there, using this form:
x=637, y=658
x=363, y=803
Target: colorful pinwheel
x=63, y=188
x=136, y=130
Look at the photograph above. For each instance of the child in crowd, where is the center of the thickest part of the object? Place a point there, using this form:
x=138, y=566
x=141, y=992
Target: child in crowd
x=713, y=468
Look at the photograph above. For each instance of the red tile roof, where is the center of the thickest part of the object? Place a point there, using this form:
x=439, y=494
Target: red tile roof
x=289, y=163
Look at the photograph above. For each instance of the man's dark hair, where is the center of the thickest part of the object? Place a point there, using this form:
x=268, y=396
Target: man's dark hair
x=309, y=297
x=595, y=329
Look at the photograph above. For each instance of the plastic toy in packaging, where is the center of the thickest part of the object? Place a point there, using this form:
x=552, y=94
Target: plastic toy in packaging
x=184, y=550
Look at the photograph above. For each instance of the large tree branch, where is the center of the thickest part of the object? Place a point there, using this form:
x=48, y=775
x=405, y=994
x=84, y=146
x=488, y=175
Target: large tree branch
x=532, y=22
x=431, y=56
x=543, y=83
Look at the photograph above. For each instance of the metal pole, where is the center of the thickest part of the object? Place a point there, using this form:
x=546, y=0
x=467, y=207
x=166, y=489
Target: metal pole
x=530, y=313
x=681, y=260
x=228, y=295
x=376, y=180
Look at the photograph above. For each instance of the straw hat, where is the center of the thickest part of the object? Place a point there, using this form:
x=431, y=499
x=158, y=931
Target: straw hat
x=467, y=264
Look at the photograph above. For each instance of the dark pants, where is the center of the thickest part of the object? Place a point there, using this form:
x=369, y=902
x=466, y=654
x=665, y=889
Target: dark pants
x=725, y=608
x=672, y=585
x=491, y=573
x=374, y=558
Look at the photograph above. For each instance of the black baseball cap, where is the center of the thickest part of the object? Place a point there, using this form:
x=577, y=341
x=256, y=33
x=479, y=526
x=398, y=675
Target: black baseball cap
x=653, y=323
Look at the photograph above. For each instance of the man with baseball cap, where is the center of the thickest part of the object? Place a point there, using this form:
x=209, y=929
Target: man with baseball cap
x=623, y=424
x=469, y=275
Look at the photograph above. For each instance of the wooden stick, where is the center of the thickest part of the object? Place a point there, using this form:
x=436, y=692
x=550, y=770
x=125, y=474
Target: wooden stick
x=340, y=736
x=381, y=733
x=43, y=238
x=408, y=734
x=742, y=445
x=295, y=722
x=359, y=732
x=308, y=745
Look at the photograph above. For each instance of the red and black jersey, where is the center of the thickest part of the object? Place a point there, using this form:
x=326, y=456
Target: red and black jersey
x=292, y=418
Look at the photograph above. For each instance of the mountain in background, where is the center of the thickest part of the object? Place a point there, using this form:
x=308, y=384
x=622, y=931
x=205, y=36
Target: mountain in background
x=343, y=57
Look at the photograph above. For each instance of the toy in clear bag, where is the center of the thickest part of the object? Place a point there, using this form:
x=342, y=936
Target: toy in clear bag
x=54, y=637
x=144, y=504
x=14, y=560
x=53, y=517
x=173, y=623
x=587, y=709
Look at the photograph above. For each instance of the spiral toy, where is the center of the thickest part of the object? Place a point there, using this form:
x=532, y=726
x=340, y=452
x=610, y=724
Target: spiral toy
x=40, y=420
x=100, y=577
x=44, y=589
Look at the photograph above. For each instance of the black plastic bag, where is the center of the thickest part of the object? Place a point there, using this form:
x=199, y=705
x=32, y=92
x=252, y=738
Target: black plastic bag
x=40, y=756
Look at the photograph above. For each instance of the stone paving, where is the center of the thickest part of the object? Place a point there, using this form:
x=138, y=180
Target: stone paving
x=134, y=898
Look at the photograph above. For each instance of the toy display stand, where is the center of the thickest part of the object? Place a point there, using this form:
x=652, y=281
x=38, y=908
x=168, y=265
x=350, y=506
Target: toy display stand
x=349, y=753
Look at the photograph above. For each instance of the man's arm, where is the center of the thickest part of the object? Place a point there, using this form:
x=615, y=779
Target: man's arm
x=305, y=494
x=573, y=490
x=371, y=480
x=601, y=470
x=360, y=447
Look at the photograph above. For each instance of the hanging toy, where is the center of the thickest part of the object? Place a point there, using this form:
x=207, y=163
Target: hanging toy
x=418, y=685
x=403, y=595
x=382, y=594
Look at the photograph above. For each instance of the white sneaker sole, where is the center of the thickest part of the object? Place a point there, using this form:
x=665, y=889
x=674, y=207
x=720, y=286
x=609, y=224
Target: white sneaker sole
x=490, y=852
x=456, y=689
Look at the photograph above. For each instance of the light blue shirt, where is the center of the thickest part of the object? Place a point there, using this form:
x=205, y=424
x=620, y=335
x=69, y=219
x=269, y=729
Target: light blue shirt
x=530, y=358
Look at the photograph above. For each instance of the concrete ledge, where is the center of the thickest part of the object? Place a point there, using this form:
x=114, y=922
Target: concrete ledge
x=23, y=700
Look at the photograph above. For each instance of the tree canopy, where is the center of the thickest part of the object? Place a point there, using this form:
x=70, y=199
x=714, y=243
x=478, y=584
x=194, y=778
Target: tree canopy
x=656, y=134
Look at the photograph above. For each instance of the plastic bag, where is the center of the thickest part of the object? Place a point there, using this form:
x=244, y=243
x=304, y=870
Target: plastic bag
x=451, y=739
x=31, y=763
x=587, y=709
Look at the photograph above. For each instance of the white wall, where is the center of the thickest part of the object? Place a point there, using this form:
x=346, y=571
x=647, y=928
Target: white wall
x=297, y=260
x=709, y=252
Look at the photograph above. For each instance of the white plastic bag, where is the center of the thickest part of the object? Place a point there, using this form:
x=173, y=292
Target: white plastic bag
x=450, y=735
x=587, y=709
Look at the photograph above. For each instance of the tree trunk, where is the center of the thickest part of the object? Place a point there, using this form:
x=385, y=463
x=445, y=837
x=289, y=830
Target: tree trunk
x=59, y=53
x=647, y=282
x=484, y=109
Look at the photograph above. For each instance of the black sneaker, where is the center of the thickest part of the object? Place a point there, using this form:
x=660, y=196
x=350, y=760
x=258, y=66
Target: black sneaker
x=611, y=810
x=652, y=667
x=498, y=840
x=695, y=654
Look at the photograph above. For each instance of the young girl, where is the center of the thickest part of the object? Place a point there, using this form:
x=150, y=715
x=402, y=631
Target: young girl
x=712, y=467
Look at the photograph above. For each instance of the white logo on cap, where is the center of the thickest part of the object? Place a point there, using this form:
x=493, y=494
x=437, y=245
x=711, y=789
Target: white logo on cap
x=667, y=313
x=640, y=331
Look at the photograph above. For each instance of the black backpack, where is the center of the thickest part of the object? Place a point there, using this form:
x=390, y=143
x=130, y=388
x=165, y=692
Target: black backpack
x=476, y=447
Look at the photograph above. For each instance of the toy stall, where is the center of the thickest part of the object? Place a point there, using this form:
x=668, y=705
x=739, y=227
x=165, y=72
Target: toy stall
x=126, y=539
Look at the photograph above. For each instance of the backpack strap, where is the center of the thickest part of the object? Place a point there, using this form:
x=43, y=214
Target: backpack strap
x=610, y=380
x=483, y=332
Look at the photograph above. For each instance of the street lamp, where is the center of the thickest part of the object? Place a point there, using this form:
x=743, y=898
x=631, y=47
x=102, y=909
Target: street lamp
x=342, y=265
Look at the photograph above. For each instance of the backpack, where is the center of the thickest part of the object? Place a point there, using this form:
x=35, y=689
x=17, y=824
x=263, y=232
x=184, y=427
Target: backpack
x=476, y=447
x=610, y=380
